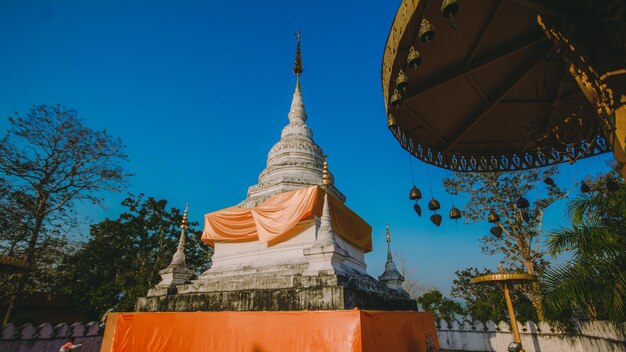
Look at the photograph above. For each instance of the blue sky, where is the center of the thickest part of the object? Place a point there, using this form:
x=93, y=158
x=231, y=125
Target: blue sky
x=199, y=92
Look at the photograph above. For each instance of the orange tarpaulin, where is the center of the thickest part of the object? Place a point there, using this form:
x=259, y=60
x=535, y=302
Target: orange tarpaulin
x=275, y=219
x=343, y=330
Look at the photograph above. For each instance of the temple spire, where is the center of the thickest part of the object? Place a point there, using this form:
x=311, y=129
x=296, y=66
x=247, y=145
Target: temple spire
x=297, y=65
x=177, y=272
x=179, y=257
x=388, y=236
x=391, y=277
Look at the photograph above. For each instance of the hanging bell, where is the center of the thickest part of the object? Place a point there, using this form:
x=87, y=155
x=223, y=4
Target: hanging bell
x=402, y=81
x=391, y=121
x=449, y=8
x=417, y=209
x=525, y=216
x=455, y=213
x=396, y=99
x=414, y=59
x=496, y=231
x=611, y=185
x=549, y=181
x=493, y=217
x=584, y=187
x=522, y=203
x=433, y=205
x=415, y=193
x=427, y=31
x=436, y=219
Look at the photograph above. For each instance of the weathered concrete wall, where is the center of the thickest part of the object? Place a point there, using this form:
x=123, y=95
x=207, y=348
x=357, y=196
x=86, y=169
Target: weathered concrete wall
x=48, y=338
x=479, y=337
x=269, y=291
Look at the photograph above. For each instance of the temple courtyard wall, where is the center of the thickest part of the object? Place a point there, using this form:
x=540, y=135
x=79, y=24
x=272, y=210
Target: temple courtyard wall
x=454, y=336
x=598, y=336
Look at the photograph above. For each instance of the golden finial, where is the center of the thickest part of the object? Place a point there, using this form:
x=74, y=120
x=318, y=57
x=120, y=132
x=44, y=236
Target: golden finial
x=388, y=234
x=185, y=224
x=297, y=66
x=325, y=174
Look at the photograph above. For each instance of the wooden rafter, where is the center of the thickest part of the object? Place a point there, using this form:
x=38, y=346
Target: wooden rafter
x=477, y=88
x=483, y=31
x=471, y=122
x=417, y=118
x=463, y=70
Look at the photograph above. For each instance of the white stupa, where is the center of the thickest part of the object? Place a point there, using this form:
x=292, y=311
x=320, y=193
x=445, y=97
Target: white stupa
x=270, y=254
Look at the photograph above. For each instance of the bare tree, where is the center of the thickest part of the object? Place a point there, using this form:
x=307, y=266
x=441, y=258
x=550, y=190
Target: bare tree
x=410, y=284
x=49, y=160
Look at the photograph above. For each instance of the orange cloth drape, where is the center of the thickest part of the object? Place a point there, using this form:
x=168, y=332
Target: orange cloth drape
x=343, y=330
x=274, y=220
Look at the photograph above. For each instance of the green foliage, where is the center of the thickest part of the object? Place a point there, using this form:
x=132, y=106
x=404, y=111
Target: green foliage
x=594, y=280
x=443, y=307
x=122, y=258
x=521, y=240
x=486, y=302
x=520, y=243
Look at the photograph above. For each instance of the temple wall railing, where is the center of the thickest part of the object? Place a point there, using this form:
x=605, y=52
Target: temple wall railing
x=454, y=336
x=46, y=337
x=536, y=337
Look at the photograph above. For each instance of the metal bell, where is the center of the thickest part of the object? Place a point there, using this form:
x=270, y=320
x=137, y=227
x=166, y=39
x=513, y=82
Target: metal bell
x=413, y=59
x=584, y=187
x=549, y=181
x=449, y=8
x=522, y=203
x=496, y=231
x=417, y=209
x=493, y=217
x=455, y=213
x=433, y=205
x=391, y=121
x=436, y=219
x=402, y=81
x=415, y=193
x=427, y=31
x=396, y=99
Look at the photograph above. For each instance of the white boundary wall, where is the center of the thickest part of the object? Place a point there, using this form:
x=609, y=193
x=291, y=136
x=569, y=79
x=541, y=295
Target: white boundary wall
x=541, y=337
x=454, y=336
x=48, y=338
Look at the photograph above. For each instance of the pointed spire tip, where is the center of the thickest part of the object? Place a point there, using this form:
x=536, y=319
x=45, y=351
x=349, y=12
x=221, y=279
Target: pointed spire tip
x=185, y=223
x=387, y=233
x=297, y=66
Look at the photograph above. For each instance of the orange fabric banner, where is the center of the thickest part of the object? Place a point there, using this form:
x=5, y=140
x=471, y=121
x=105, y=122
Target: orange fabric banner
x=343, y=330
x=275, y=220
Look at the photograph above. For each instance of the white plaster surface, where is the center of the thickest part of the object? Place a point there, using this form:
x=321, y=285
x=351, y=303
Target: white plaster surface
x=592, y=336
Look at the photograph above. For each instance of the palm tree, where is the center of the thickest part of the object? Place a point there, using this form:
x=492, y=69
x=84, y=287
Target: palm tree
x=593, y=281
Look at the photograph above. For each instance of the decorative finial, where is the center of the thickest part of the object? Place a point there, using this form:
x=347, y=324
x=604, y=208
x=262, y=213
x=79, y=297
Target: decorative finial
x=388, y=233
x=297, y=66
x=325, y=174
x=185, y=223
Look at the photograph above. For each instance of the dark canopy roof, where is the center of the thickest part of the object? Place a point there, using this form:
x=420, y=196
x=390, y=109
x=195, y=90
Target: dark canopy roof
x=496, y=94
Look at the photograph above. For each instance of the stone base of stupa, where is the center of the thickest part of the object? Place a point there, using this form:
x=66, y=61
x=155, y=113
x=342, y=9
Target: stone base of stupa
x=296, y=274
x=276, y=292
